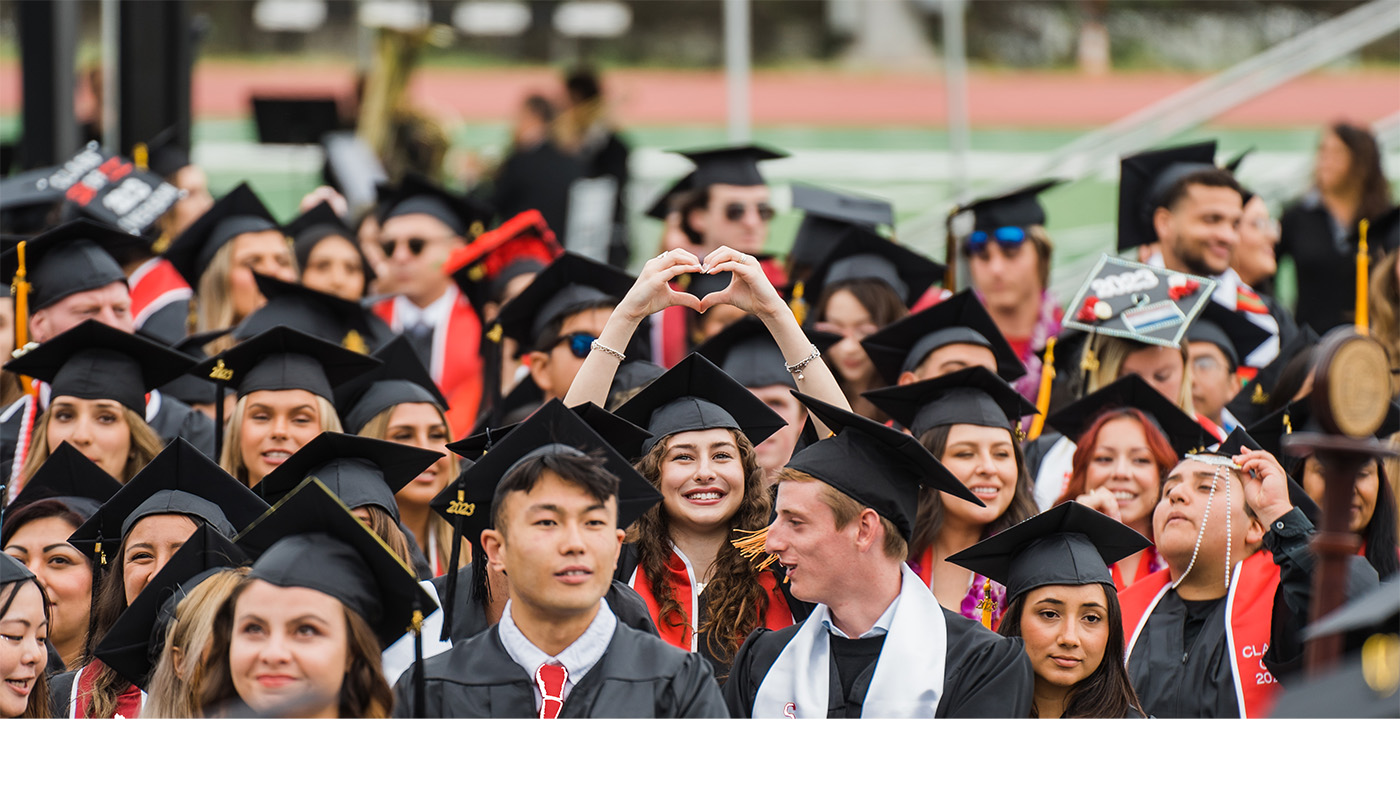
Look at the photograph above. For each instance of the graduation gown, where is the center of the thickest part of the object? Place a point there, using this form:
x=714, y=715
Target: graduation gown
x=16, y=426
x=172, y=418
x=638, y=677
x=453, y=359
x=986, y=676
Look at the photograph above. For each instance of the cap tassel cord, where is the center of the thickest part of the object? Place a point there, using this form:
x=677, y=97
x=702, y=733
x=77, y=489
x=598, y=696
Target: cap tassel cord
x=1042, y=397
x=449, y=604
x=420, y=692
x=19, y=288
x=751, y=546
x=1363, y=270
x=988, y=605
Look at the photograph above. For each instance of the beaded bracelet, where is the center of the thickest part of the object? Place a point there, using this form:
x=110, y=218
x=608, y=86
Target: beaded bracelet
x=796, y=368
x=610, y=351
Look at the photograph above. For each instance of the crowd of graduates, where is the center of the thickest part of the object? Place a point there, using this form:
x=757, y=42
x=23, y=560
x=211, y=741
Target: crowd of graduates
x=409, y=464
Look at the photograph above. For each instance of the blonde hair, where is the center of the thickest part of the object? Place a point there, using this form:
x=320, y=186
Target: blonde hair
x=215, y=296
x=1385, y=306
x=144, y=446
x=174, y=690
x=846, y=510
x=378, y=428
x=1112, y=352
x=231, y=460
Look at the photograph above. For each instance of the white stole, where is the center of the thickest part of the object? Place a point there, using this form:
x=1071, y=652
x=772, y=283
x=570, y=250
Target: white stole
x=908, y=679
x=399, y=656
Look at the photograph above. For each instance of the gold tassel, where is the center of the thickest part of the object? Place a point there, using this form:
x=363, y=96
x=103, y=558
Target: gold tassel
x=798, y=305
x=354, y=342
x=1363, y=270
x=988, y=605
x=1287, y=424
x=20, y=288
x=751, y=547
x=416, y=625
x=141, y=156
x=1042, y=397
x=1090, y=362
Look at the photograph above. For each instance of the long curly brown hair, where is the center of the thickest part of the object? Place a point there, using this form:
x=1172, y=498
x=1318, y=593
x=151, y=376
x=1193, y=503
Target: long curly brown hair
x=735, y=601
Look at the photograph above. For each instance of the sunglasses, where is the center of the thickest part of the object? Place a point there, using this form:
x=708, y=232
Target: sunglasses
x=735, y=211
x=1008, y=238
x=580, y=344
x=415, y=245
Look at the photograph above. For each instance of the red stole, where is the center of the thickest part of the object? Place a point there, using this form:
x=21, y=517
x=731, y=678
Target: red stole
x=1148, y=563
x=154, y=285
x=1248, y=615
x=681, y=578
x=456, y=359
x=128, y=702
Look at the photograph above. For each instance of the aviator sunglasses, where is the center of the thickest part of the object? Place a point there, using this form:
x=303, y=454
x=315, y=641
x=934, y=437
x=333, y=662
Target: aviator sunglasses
x=735, y=211
x=1008, y=238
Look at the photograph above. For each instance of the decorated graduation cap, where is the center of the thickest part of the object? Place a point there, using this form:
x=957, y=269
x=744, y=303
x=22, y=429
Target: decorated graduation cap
x=1181, y=430
x=1239, y=438
x=68, y=477
x=361, y=471
x=733, y=166
x=74, y=257
x=111, y=190
x=967, y=396
x=747, y=352
x=624, y=436
x=828, y=215
x=418, y=195
x=315, y=225
x=670, y=199
x=236, y=213
x=317, y=313
x=400, y=379
x=961, y=319
x=1071, y=544
x=134, y=643
x=96, y=361
x=1019, y=208
x=1138, y=302
x=1253, y=401
x=180, y=480
x=1144, y=180
x=188, y=388
x=863, y=255
x=309, y=539
x=874, y=465
x=569, y=285
x=695, y=395
x=281, y=359
x=522, y=245
x=1235, y=334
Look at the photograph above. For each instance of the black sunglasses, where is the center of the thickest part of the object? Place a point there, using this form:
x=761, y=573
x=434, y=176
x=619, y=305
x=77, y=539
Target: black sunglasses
x=415, y=245
x=580, y=343
x=735, y=211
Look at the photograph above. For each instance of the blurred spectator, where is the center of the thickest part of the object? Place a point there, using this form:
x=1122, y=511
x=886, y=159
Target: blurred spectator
x=1384, y=309
x=1253, y=258
x=537, y=174
x=585, y=130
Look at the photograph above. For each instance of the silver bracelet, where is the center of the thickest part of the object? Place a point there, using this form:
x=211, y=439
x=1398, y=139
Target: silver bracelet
x=610, y=351
x=796, y=368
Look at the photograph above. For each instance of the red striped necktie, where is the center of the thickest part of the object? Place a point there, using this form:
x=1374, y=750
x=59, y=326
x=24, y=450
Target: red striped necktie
x=550, y=679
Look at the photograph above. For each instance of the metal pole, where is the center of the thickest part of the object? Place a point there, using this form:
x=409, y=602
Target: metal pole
x=737, y=48
x=955, y=81
x=111, y=87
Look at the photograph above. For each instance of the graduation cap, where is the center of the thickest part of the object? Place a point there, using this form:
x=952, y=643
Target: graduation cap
x=961, y=319
x=401, y=378
x=96, y=361
x=967, y=396
x=1137, y=302
x=670, y=199
x=416, y=194
x=632, y=375
x=315, y=225
x=281, y=359
x=74, y=257
x=1181, y=430
x=295, y=121
x=1378, y=608
x=316, y=313
x=311, y=540
x=165, y=156
x=1144, y=180
x=1071, y=544
x=695, y=395
x=134, y=642
x=188, y=388
x=1297, y=417
x=1239, y=438
x=733, y=166
x=236, y=213
x=863, y=255
x=1253, y=400
x=70, y=478
x=1233, y=165
x=1018, y=208
x=569, y=285
x=522, y=245
x=180, y=480
x=874, y=465
x=1235, y=334
x=828, y=215
x=360, y=471
x=518, y=404
x=747, y=352
x=624, y=436
x=12, y=570
x=27, y=203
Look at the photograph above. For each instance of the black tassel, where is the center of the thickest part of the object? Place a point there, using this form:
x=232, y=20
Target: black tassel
x=218, y=422
x=420, y=692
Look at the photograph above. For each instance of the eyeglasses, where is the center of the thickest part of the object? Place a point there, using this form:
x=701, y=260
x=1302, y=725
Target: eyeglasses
x=735, y=211
x=580, y=343
x=415, y=245
x=1008, y=238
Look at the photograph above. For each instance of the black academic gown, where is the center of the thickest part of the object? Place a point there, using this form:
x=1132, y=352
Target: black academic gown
x=986, y=676
x=638, y=677
x=169, y=324
x=177, y=419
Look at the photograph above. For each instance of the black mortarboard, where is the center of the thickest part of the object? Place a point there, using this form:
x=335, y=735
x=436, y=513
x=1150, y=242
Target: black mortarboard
x=75, y=257
x=522, y=245
x=670, y=199
x=631, y=376
x=624, y=436
x=295, y=121
x=188, y=388
x=12, y=570
x=1181, y=430
x=27, y=204
x=237, y=212
x=164, y=154
x=281, y=359
x=1238, y=438
x=400, y=379
x=66, y=476
x=311, y=540
x=829, y=214
x=522, y=399
x=961, y=319
x=874, y=465
x=464, y=216
x=96, y=361
x=569, y=285
x=1018, y=208
x=702, y=284
x=861, y=255
x=1378, y=608
x=1297, y=417
x=747, y=352
x=967, y=396
x=1145, y=178
x=1233, y=166
x=1253, y=400
x=180, y=480
x=733, y=166
x=313, y=312
x=1071, y=544
x=361, y=471
x=134, y=642
x=315, y=225
x=694, y=395
x=1138, y=302
x=1235, y=334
